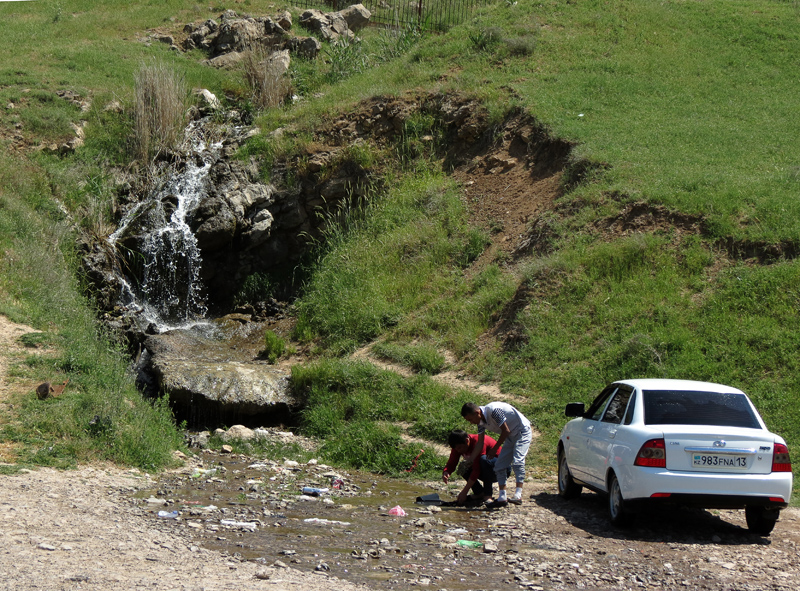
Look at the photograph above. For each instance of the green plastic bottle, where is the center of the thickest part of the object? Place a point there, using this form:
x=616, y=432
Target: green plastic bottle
x=470, y=544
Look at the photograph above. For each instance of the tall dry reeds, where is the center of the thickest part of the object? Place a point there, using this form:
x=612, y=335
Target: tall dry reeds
x=265, y=73
x=160, y=109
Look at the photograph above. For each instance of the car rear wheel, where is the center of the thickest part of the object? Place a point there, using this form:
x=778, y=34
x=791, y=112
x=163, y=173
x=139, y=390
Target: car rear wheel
x=761, y=520
x=567, y=487
x=620, y=513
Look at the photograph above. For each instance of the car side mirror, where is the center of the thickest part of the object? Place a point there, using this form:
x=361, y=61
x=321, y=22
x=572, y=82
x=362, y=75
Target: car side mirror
x=575, y=409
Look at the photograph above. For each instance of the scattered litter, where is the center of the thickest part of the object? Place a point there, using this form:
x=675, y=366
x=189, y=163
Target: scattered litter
x=469, y=544
x=201, y=473
x=325, y=521
x=414, y=461
x=168, y=514
x=397, y=510
x=314, y=491
x=243, y=524
x=458, y=531
x=431, y=499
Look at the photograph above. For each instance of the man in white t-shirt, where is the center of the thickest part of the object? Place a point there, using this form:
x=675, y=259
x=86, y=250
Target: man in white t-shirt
x=515, y=438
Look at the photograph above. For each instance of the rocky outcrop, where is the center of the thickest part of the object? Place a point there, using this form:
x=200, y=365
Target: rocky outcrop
x=228, y=40
x=235, y=33
x=244, y=225
x=213, y=376
x=332, y=26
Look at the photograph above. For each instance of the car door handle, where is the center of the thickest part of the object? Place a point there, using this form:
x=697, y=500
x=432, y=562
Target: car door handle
x=590, y=429
x=612, y=434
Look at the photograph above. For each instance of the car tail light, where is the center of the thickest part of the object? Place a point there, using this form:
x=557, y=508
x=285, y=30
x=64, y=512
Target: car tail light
x=780, y=459
x=652, y=454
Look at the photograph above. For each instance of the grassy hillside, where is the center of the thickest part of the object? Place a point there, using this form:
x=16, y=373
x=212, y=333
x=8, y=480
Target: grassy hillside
x=683, y=109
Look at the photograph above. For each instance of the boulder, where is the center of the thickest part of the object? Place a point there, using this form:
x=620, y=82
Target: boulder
x=237, y=35
x=308, y=47
x=208, y=100
x=330, y=26
x=226, y=60
x=214, y=224
x=356, y=16
x=213, y=376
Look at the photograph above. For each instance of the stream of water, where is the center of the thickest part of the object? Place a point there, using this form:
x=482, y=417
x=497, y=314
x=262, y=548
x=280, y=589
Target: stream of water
x=256, y=511
x=168, y=291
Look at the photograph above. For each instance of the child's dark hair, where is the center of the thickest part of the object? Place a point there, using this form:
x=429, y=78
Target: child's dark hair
x=457, y=437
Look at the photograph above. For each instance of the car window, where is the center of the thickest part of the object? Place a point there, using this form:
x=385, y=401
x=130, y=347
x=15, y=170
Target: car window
x=668, y=407
x=598, y=405
x=615, y=411
x=631, y=408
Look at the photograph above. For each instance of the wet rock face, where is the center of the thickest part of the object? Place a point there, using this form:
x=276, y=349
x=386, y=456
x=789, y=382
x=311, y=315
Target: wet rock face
x=242, y=225
x=213, y=375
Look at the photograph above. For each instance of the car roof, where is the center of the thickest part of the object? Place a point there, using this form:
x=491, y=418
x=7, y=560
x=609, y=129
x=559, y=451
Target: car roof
x=662, y=384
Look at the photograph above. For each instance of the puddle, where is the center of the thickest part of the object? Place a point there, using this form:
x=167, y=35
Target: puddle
x=254, y=510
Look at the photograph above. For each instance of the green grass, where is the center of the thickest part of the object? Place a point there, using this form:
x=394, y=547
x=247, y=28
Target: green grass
x=684, y=104
x=354, y=408
x=103, y=415
x=422, y=357
x=390, y=255
x=274, y=346
x=692, y=104
x=264, y=448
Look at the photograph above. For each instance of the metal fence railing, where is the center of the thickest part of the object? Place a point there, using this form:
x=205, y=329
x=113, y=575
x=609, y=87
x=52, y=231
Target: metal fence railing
x=430, y=14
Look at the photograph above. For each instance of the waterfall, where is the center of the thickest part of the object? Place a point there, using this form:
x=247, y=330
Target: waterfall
x=159, y=252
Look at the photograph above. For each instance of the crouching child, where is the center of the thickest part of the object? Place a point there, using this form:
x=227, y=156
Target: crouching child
x=480, y=472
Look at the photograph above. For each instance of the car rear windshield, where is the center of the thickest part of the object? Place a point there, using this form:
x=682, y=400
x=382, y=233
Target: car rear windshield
x=680, y=407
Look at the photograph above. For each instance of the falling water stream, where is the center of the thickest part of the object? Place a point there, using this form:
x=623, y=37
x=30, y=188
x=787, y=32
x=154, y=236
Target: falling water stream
x=167, y=291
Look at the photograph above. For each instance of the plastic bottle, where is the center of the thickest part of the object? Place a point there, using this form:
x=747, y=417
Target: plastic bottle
x=168, y=514
x=469, y=544
x=314, y=491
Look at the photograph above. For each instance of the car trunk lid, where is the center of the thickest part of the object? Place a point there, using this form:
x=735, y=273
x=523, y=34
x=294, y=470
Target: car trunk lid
x=729, y=450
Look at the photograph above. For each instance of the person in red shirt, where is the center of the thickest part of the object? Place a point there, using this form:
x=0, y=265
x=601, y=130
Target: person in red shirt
x=480, y=475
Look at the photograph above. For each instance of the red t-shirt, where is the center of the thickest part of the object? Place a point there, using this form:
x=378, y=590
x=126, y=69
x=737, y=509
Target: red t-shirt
x=476, y=465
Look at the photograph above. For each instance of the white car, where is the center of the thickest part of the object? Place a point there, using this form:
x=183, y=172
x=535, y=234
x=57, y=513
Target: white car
x=675, y=441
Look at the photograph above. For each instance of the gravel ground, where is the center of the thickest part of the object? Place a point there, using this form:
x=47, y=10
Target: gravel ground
x=547, y=543
x=76, y=530
x=85, y=529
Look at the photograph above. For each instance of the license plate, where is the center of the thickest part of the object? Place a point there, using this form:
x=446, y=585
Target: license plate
x=719, y=461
